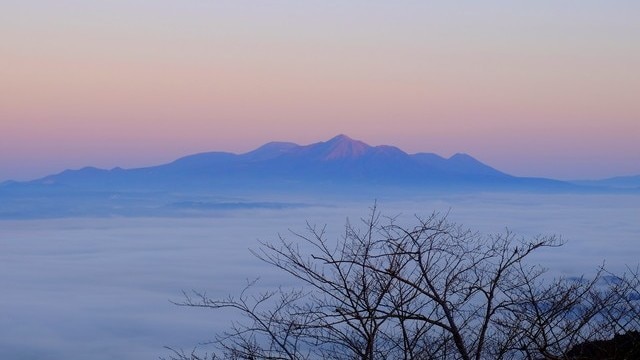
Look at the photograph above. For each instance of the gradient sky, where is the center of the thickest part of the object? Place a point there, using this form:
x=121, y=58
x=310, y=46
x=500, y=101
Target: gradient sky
x=542, y=88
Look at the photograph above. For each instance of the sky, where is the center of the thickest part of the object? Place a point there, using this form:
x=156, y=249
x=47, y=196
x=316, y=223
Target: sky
x=542, y=88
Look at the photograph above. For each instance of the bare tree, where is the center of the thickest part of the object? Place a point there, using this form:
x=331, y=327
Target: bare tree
x=432, y=291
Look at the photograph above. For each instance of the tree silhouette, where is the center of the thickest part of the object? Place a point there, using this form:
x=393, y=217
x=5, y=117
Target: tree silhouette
x=435, y=290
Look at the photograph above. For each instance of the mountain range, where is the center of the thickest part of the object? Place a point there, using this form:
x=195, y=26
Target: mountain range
x=340, y=161
x=618, y=182
x=337, y=167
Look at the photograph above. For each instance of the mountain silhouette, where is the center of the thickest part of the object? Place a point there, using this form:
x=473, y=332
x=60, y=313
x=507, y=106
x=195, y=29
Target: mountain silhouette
x=340, y=162
x=274, y=175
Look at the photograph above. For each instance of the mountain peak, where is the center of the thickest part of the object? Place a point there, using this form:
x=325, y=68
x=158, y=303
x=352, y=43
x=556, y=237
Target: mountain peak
x=270, y=150
x=461, y=156
x=340, y=138
x=342, y=146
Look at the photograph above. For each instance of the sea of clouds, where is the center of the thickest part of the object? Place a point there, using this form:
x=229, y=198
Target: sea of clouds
x=102, y=288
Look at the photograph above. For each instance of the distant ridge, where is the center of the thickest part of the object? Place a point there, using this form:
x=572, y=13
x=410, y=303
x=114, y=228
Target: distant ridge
x=618, y=182
x=276, y=175
x=340, y=162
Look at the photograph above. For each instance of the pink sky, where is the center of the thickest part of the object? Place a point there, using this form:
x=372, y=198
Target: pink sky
x=532, y=89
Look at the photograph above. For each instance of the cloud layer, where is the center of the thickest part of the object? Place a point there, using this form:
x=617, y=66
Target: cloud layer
x=100, y=288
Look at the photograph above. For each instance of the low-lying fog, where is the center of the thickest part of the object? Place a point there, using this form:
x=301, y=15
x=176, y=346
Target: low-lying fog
x=100, y=288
